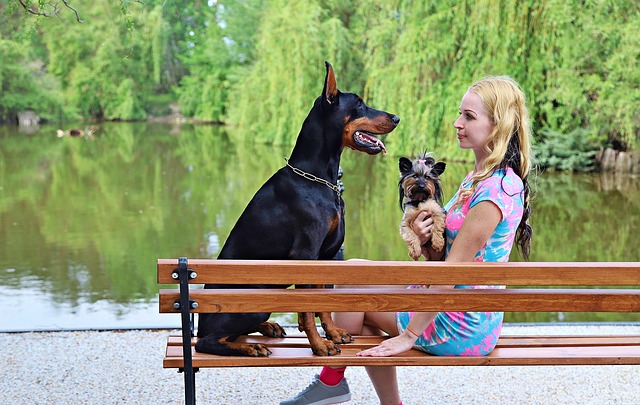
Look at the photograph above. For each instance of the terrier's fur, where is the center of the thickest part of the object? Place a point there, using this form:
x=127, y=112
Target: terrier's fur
x=420, y=190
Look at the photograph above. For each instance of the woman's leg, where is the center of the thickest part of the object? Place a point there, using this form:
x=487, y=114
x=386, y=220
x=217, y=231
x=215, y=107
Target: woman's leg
x=353, y=322
x=373, y=324
x=384, y=379
x=385, y=382
x=361, y=323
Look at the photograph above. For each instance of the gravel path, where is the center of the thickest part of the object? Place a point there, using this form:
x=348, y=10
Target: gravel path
x=114, y=367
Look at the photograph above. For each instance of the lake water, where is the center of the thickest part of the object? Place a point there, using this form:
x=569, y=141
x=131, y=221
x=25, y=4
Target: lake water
x=82, y=221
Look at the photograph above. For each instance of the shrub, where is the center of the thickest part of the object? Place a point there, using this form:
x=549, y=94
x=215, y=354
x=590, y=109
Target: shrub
x=574, y=151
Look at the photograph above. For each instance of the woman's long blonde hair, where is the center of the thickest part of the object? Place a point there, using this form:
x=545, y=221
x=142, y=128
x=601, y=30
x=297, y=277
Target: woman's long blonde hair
x=509, y=143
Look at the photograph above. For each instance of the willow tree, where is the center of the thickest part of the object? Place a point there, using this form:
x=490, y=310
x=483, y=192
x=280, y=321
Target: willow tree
x=107, y=67
x=441, y=47
x=575, y=60
x=417, y=62
x=594, y=79
x=203, y=92
x=219, y=50
x=294, y=39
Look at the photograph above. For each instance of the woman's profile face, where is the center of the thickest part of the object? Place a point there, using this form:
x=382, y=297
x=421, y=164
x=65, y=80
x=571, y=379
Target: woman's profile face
x=473, y=126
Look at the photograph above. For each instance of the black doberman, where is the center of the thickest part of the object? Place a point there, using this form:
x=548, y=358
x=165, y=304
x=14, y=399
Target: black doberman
x=298, y=214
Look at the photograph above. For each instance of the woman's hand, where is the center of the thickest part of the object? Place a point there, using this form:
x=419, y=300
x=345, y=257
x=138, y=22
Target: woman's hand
x=389, y=347
x=422, y=226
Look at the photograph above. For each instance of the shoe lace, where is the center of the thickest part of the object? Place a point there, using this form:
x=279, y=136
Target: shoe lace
x=313, y=383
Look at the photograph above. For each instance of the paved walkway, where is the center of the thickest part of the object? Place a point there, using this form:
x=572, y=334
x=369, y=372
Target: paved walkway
x=126, y=368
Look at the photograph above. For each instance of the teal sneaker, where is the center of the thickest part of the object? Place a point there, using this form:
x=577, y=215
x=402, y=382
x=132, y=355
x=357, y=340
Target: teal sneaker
x=318, y=393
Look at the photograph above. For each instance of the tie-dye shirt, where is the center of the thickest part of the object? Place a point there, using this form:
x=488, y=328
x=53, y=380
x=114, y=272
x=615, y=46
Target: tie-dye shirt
x=475, y=333
x=506, y=192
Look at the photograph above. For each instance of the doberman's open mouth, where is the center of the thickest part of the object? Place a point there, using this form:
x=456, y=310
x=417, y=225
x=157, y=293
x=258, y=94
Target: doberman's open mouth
x=368, y=143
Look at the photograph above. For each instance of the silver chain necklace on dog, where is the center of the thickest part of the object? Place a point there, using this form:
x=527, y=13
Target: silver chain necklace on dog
x=311, y=177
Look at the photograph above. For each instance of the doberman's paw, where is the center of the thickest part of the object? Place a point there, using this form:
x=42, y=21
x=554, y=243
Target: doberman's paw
x=271, y=329
x=326, y=348
x=338, y=335
x=255, y=350
x=224, y=347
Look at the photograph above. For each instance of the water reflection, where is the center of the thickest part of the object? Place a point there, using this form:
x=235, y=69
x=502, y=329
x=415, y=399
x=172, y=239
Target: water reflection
x=82, y=222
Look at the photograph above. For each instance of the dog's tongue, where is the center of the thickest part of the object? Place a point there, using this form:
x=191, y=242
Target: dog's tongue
x=381, y=145
x=372, y=139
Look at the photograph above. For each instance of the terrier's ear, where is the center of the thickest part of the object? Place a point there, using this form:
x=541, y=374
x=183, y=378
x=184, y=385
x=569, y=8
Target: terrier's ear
x=439, y=167
x=330, y=91
x=406, y=165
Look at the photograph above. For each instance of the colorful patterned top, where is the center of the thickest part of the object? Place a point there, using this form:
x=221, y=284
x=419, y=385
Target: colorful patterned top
x=475, y=333
x=506, y=192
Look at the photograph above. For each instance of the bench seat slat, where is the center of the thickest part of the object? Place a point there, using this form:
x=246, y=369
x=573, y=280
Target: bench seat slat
x=502, y=356
x=504, y=341
x=405, y=272
x=392, y=300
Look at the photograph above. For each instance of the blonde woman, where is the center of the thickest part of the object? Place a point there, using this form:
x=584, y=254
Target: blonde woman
x=486, y=216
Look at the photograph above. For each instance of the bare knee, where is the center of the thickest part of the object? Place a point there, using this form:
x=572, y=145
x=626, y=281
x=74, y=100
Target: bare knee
x=351, y=321
x=381, y=321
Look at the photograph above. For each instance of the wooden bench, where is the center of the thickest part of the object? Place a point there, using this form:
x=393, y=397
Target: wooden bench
x=564, y=287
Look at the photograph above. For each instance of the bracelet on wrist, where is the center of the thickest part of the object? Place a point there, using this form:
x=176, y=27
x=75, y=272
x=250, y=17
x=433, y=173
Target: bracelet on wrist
x=412, y=332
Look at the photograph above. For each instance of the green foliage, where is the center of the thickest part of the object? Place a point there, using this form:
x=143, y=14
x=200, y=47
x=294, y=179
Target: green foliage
x=159, y=104
x=203, y=93
x=216, y=55
x=157, y=30
x=109, y=64
x=84, y=91
x=573, y=151
x=288, y=73
x=257, y=64
x=595, y=82
x=124, y=104
x=417, y=60
x=25, y=85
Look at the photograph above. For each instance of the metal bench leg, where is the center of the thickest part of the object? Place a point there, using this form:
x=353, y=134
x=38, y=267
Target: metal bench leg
x=187, y=332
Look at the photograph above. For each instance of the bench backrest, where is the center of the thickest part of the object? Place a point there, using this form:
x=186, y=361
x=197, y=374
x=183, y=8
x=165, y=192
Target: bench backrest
x=550, y=280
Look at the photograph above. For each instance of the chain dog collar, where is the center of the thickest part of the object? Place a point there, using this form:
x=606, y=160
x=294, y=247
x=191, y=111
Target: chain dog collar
x=311, y=177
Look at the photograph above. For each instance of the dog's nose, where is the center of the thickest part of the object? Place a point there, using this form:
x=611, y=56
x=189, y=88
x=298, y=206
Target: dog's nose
x=395, y=119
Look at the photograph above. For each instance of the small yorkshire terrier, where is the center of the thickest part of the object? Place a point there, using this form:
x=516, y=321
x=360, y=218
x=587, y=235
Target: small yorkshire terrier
x=420, y=190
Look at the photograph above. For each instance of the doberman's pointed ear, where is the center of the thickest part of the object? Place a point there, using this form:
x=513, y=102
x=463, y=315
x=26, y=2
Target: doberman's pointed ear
x=330, y=91
x=439, y=168
x=405, y=165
